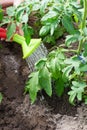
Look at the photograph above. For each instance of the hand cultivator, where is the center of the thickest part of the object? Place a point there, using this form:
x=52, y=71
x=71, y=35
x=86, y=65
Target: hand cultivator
x=28, y=51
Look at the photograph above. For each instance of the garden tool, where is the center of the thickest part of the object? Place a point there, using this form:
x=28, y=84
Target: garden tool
x=26, y=49
x=32, y=52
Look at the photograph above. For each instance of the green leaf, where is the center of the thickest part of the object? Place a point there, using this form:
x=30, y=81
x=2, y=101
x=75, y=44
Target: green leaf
x=77, y=91
x=44, y=30
x=85, y=49
x=40, y=64
x=72, y=97
x=71, y=39
x=19, y=13
x=49, y=39
x=43, y=6
x=59, y=86
x=32, y=86
x=1, y=13
x=54, y=25
x=36, y=7
x=67, y=70
x=27, y=33
x=51, y=14
x=1, y=97
x=59, y=32
x=5, y=21
x=67, y=22
x=11, y=30
x=54, y=67
x=56, y=60
x=74, y=62
x=45, y=80
x=83, y=68
x=25, y=18
x=85, y=98
x=22, y=13
x=10, y=11
x=76, y=18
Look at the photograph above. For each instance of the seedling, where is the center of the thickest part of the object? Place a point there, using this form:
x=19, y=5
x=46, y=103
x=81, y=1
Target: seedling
x=65, y=72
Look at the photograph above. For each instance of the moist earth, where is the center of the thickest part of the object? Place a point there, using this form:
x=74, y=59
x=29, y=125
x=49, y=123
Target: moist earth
x=16, y=110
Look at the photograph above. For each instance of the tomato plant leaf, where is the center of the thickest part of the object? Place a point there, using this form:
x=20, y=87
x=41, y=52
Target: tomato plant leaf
x=25, y=18
x=10, y=11
x=11, y=30
x=54, y=67
x=67, y=22
x=74, y=62
x=72, y=39
x=83, y=68
x=27, y=33
x=59, y=86
x=32, y=86
x=40, y=64
x=45, y=80
x=44, y=30
x=43, y=6
x=67, y=70
x=1, y=13
x=51, y=14
x=77, y=90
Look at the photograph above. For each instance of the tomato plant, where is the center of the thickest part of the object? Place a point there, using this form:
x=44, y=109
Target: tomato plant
x=62, y=70
x=58, y=18
x=53, y=19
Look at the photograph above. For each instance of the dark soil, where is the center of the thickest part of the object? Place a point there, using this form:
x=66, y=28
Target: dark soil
x=16, y=111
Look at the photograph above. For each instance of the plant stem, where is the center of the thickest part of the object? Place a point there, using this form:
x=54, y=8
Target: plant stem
x=83, y=25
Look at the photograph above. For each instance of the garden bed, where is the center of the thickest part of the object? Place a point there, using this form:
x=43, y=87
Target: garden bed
x=16, y=110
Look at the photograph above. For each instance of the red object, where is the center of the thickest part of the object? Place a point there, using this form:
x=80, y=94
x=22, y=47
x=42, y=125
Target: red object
x=3, y=33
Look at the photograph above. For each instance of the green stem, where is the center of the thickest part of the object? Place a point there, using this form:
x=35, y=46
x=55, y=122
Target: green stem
x=83, y=25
